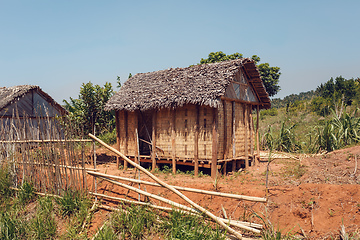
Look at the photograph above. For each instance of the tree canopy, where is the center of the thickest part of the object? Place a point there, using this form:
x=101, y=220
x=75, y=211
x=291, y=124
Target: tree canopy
x=334, y=94
x=88, y=110
x=269, y=75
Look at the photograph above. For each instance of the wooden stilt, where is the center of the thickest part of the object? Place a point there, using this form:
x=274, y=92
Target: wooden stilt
x=214, y=144
x=196, y=141
x=251, y=123
x=173, y=143
x=126, y=138
x=117, y=127
x=246, y=129
x=225, y=146
x=233, y=129
x=257, y=135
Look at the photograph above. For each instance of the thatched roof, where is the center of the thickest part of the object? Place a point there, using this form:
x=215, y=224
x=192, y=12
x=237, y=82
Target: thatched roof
x=200, y=84
x=9, y=95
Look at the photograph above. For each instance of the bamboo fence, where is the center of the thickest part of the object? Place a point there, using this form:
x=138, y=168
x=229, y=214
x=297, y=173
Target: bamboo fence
x=45, y=152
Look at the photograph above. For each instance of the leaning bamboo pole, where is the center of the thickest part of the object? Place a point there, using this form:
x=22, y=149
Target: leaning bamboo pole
x=177, y=192
x=175, y=204
x=229, y=195
x=234, y=223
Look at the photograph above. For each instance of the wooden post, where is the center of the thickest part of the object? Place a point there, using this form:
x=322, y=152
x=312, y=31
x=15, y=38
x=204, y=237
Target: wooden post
x=196, y=141
x=173, y=136
x=126, y=138
x=214, y=144
x=117, y=127
x=153, y=141
x=233, y=130
x=257, y=134
x=225, y=149
x=251, y=122
x=246, y=126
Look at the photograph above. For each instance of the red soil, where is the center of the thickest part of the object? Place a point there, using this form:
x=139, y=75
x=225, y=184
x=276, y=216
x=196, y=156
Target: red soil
x=315, y=204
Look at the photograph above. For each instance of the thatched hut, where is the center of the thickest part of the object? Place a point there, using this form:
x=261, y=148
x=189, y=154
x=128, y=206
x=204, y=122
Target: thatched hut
x=29, y=109
x=198, y=115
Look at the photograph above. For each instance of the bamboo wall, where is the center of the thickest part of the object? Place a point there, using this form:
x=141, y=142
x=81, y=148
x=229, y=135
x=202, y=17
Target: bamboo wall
x=231, y=131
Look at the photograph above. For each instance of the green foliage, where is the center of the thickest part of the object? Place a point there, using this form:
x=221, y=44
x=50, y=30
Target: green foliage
x=292, y=98
x=285, y=140
x=88, y=111
x=181, y=226
x=109, y=137
x=26, y=193
x=72, y=202
x=268, y=112
x=12, y=226
x=43, y=225
x=133, y=223
x=107, y=233
x=337, y=132
x=269, y=75
x=335, y=94
x=5, y=182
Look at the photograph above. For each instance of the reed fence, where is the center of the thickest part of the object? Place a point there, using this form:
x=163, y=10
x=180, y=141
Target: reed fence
x=45, y=151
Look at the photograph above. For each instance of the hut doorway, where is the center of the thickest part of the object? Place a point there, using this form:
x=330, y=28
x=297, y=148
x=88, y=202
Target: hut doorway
x=145, y=132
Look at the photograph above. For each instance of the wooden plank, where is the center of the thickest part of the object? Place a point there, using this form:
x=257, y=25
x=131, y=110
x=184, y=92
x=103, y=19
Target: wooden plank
x=225, y=148
x=153, y=141
x=233, y=135
x=173, y=136
x=117, y=121
x=126, y=138
x=246, y=126
x=257, y=135
x=196, y=141
x=251, y=123
x=214, y=144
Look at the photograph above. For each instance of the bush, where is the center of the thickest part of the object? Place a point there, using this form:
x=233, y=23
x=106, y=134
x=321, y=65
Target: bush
x=268, y=112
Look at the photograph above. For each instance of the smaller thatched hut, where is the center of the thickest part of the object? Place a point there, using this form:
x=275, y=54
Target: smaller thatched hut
x=198, y=116
x=26, y=110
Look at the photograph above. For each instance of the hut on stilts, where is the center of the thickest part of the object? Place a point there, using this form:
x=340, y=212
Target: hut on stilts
x=199, y=115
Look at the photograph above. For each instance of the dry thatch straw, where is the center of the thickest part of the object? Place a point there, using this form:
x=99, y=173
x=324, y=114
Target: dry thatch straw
x=171, y=88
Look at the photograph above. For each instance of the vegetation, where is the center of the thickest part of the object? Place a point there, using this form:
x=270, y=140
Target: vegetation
x=269, y=75
x=87, y=112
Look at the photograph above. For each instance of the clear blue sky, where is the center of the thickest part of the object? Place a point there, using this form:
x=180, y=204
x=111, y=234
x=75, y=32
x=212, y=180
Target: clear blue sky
x=59, y=45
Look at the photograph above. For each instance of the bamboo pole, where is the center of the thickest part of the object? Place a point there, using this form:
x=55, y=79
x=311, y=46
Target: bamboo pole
x=201, y=209
x=196, y=141
x=228, y=195
x=175, y=204
x=60, y=166
x=233, y=136
x=257, y=135
x=246, y=126
x=153, y=141
x=214, y=150
x=168, y=209
x=173, y=136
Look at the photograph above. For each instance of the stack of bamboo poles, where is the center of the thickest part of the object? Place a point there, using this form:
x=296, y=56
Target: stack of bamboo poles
x=194, y=209
x=41, y=151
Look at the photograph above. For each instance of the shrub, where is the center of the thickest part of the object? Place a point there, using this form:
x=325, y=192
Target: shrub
x=26, y=193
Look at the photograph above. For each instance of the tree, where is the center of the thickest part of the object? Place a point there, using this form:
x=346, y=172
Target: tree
x=269, y=75
x=88, y=110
